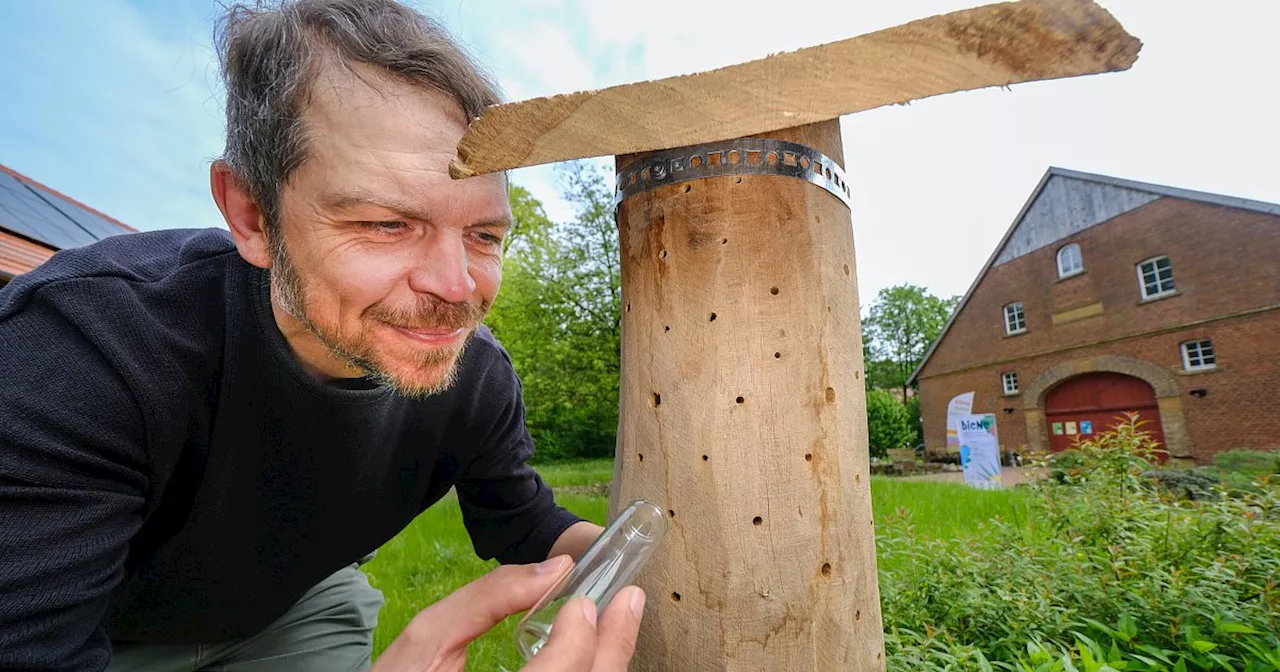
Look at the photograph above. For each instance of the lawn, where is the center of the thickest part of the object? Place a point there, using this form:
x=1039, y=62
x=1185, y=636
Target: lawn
x=433, y=556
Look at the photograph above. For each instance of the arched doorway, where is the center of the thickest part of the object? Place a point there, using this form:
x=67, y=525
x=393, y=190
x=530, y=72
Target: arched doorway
x=1081, y=406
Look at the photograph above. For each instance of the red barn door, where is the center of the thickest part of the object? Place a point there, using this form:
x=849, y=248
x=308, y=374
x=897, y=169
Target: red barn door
x=1081, y=407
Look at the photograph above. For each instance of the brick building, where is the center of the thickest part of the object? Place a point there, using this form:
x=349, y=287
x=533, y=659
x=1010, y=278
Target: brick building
x=36, y=221
x=1108, y=295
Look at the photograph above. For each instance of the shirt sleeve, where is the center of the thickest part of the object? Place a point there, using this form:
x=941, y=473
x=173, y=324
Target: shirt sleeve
x=72, y=481
x=509, y=512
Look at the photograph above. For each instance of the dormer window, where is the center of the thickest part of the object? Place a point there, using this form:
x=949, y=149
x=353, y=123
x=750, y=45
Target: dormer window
x=1069, y=261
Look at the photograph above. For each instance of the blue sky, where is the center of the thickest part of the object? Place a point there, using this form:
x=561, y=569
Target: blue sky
x=117, y=103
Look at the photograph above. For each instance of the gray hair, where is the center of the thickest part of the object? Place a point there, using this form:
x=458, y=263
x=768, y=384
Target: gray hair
x=271, y=56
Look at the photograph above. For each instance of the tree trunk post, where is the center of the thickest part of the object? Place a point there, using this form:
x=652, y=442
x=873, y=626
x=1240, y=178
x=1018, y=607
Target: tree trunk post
x=743, y=407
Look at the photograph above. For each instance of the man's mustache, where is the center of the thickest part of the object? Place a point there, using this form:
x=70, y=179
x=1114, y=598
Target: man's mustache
x=431, y=313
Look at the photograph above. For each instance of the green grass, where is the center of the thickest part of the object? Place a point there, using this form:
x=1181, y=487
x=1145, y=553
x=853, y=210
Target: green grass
x=433, y=556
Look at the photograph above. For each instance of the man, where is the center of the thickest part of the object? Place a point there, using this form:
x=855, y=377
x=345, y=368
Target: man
x=203, y=433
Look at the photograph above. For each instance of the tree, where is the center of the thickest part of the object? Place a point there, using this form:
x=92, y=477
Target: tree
x=904, y=322
x=558, y=315
x=888, y=423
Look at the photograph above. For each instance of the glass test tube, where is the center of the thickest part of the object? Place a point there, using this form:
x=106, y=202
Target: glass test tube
x=604, y=569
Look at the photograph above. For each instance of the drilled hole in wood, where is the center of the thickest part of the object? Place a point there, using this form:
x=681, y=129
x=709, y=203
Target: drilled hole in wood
x=713, y=318
x=724, y=241
x=739, y=400
x=808, y=457
x=738, y=181
x=675, y=597
x=628, y=307
x=846, y=269
x=641, y=456
x=705, y=458
x=773, y=291
x=831, y=395
x=757, y=520
x=688, y=188
x=663, y=254
x=671, y=513
x=826, y=569
x=657, y=400
x=857, y=616
x=666, y=328
x=777, y=355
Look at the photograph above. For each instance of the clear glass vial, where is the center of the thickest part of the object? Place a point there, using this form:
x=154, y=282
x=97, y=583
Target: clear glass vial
x=604, y=569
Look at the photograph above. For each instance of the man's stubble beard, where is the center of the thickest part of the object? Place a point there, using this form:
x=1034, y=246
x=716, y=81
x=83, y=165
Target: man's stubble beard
x=289, y=292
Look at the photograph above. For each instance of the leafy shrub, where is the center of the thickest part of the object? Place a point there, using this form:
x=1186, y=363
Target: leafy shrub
x=1186, y=483
x=917, y=424
x=1250, y=462
x=888, y=424
x=1106, y=573
x=1064, y=466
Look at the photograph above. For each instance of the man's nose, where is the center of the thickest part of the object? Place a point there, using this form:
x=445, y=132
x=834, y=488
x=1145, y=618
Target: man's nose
x=443, y=268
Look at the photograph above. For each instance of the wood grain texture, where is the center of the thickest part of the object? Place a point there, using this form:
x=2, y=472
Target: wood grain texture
x=743, y=415
x=995, y=45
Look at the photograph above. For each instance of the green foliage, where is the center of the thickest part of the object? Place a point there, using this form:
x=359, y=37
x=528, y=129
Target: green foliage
x=903, y=322
x=888, y=423
x=917, y=423
x=1249, y=462
x=558, y=315
x=1105, y=572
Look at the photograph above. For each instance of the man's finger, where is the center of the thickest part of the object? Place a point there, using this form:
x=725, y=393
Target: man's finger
x=572, y=645
x=475, y=608
x=619, y=627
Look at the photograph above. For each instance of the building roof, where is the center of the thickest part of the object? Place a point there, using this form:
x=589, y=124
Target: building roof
x=52, y=219
x=1112, y=197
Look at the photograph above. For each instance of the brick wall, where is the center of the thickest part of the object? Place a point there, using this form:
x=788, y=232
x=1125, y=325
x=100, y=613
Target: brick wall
x=1224, y=263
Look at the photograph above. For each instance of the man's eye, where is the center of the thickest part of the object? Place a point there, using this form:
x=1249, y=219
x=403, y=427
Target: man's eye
x=488, y=238
x=388, y=226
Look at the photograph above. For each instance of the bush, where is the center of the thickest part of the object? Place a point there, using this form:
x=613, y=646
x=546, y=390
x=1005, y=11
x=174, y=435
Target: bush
x=1250, y=462
x=1106, y=573
x=1065, y=466
x=917, y=425
x=888, y=424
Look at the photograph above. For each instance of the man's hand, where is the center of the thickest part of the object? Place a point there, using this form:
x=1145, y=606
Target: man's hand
x=436, y=639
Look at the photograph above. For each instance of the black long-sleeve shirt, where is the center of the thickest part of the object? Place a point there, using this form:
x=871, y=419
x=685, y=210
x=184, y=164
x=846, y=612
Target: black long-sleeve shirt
x=170, y=474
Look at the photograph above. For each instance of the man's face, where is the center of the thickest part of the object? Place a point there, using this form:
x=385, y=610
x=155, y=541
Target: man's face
x=387, y=262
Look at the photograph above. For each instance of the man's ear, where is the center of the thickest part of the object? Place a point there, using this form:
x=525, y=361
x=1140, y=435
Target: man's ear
x=243, y=217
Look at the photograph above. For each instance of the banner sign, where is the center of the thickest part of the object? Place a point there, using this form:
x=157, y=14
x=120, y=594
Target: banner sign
x=980, y=451
x=961, y=404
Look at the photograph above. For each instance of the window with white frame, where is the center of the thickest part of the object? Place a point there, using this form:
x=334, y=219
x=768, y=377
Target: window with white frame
x=1198, y=355
x=1069, y=261
x=1155, y=277
x=1015, y=321
x=1009, y=379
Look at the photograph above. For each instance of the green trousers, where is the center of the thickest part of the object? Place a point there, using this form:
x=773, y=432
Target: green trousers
x=329, y=630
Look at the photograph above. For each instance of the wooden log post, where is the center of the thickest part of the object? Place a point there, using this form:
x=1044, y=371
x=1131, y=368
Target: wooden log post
x=743, y=412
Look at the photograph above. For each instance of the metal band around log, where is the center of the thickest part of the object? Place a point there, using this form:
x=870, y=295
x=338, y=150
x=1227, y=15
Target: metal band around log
x=744, y=156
